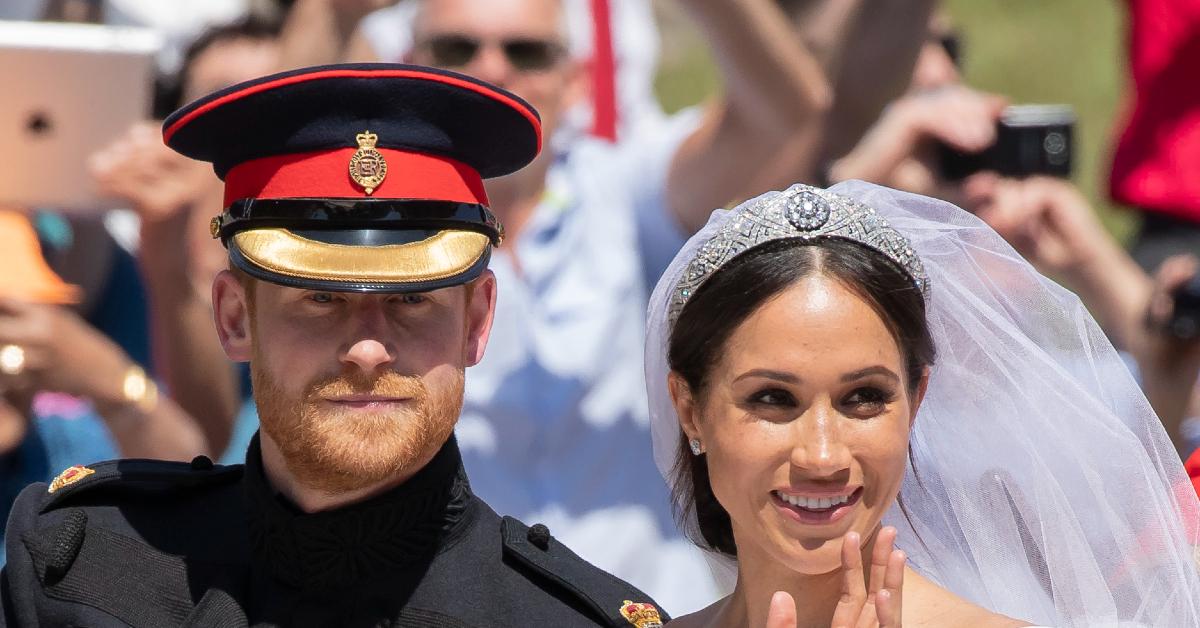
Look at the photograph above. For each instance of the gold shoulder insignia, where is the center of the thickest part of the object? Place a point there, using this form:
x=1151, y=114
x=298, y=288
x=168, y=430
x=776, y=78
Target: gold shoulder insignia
x=641, y=614
x=70, y=476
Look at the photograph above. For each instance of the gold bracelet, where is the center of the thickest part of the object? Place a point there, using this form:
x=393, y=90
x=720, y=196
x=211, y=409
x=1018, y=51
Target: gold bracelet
x=139, y=390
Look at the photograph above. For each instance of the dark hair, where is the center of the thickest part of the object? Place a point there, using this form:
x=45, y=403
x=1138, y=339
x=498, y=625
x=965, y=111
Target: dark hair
x=259, y=26
x=737, y=290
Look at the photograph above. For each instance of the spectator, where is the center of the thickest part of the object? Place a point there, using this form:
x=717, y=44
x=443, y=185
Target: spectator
x=175, y=198
x=1155, y=162
x=616, y=40
x=68, y=394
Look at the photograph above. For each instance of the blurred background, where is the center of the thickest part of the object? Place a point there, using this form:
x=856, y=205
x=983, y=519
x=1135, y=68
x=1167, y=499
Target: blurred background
x=1066, y=51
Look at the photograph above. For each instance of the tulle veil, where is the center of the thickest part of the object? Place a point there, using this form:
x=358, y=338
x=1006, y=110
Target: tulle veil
x=1042, y=485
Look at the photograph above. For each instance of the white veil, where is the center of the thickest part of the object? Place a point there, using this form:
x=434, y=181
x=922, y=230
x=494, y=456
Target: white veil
x=1044, y=487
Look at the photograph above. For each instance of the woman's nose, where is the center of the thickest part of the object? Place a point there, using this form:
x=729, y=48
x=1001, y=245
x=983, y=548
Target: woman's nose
x=818, y=447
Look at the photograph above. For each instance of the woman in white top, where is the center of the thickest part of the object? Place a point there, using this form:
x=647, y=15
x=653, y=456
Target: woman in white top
x=872, y=412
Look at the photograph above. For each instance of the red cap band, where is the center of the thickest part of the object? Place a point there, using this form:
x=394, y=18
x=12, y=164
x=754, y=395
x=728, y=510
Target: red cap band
x=326, y=174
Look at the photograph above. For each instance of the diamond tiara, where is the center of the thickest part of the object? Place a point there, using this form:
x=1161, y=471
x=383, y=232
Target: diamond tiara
x=800, y=212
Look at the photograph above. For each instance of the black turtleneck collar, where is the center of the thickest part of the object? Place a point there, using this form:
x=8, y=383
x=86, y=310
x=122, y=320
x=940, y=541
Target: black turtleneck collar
x=394, y=532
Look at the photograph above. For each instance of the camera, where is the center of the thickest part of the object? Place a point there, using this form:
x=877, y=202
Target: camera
x=1030, y=140
x=1185, y=319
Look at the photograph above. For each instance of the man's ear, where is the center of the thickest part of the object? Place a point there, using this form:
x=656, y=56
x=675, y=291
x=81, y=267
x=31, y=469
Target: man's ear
x=480, y=309
x=686, y=407
x=578, y=83
x=231, y=312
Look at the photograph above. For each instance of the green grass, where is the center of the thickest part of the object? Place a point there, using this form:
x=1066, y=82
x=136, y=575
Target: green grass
x=1032, y=51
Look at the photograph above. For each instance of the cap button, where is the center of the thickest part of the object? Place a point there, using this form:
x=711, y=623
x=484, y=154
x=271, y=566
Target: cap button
x=539, y=535
x=202, y=463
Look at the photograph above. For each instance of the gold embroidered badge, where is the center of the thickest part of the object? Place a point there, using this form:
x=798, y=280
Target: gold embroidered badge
x=641, y=614
x=70, y=476
x=367, y=166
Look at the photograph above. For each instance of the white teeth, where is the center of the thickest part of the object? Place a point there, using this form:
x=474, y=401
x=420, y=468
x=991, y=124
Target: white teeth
x=813, y=503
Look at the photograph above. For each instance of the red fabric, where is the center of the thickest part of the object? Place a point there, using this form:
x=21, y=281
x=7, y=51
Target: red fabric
x=313, y=76
x=1192, y=466
x=1156, y=165
x=326, y=174
x=604, y=73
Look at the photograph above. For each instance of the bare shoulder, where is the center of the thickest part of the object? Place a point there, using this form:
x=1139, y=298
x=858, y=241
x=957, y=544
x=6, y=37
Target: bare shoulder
x=928, y=605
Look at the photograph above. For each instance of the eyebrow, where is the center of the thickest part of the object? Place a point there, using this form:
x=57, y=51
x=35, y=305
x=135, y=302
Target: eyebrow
x=792, y=379
x=769, y=374
x=871, y=370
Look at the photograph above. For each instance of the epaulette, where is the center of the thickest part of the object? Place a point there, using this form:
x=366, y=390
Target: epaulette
x=136, y=475
x=609, y=597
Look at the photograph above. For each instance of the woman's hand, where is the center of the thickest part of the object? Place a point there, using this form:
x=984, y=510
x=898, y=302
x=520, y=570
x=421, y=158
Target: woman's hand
x=858, y=607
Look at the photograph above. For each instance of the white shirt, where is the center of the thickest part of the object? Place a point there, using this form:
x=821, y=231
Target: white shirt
x=555, y=427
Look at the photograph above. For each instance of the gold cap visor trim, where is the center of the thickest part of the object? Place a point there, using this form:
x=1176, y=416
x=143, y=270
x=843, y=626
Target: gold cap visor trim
x=440, y=256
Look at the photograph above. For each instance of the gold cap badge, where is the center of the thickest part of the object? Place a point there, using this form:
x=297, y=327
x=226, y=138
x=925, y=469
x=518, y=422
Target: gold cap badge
x=367, y=166
x=70, y=476
x=641, y=614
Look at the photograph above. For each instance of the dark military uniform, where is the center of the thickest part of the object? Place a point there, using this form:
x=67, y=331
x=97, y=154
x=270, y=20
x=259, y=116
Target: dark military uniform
x=364, y=178
x=158, y=544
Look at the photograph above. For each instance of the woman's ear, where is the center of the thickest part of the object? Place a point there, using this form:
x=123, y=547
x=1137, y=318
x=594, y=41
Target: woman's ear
x=918, y=396
x=685, y=405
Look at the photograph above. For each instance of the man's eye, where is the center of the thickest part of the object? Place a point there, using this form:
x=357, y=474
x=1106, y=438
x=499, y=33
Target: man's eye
x=412, y=299
x=321, y=297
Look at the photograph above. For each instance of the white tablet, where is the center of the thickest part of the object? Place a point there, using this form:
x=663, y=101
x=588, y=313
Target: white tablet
x=67, y=91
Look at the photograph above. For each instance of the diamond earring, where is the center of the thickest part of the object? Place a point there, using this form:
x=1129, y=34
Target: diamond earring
x=696, y=448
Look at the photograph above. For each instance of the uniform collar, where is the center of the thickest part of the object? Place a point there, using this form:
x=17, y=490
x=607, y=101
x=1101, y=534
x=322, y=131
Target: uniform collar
x=390, y=534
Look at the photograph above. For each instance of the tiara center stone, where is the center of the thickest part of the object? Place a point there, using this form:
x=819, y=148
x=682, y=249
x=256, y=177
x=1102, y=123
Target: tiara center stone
x=807, y=211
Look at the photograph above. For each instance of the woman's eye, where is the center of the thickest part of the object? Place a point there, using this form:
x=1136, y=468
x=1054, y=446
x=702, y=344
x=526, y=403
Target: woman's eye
x=773, y=397
x=869, y=399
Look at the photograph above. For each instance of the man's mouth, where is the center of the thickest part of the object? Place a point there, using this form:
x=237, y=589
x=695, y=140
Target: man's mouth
x=367, y=401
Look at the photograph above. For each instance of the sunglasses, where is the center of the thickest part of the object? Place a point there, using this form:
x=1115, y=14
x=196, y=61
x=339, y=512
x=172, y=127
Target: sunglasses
x=526, y=55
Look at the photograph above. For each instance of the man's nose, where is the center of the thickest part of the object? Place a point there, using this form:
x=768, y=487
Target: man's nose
x=368, y=354
x=491, y=65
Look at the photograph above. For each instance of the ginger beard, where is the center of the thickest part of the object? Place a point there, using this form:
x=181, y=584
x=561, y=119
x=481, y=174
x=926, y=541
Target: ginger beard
x=339, y=450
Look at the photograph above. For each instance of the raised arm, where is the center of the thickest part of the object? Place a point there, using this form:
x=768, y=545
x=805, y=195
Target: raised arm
x=775, y=94
x=175, y=197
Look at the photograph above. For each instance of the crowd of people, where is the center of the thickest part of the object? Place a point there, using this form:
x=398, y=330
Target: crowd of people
x=108, y=348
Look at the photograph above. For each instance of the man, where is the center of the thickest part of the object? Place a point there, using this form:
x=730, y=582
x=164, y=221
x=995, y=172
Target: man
x=555, y=425
x=358, y=295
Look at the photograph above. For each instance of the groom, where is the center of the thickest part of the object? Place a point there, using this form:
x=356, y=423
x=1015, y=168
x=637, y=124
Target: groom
x=359, y=235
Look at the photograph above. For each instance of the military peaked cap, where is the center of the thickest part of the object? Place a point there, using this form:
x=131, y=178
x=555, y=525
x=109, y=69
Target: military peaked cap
x=364, y=178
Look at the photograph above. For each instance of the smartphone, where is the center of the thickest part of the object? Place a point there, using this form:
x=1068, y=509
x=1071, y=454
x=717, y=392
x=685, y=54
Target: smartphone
x=1030, y=140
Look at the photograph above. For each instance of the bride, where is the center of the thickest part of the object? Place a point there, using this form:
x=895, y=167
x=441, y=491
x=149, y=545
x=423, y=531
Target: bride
x=872, y=412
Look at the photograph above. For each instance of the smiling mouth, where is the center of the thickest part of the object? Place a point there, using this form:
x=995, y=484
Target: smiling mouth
x=823, y=509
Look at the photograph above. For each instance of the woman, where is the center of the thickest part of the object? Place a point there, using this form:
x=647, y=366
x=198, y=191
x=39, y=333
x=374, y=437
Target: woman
x=797, y=407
